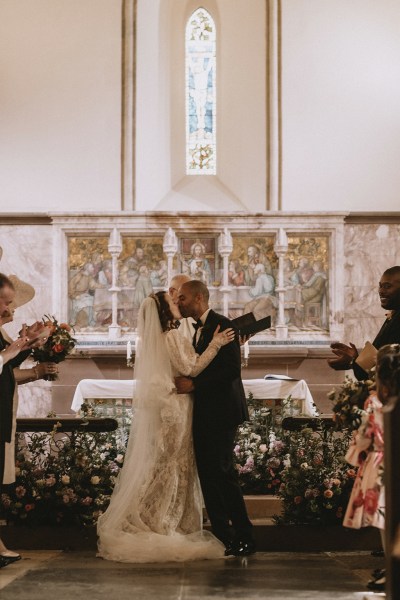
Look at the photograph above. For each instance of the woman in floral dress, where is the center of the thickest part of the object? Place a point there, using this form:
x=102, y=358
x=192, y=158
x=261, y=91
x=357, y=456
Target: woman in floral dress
x=367, y=500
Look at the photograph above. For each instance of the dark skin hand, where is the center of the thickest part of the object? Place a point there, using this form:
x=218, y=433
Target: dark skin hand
x=344, y=356
x=184, y=385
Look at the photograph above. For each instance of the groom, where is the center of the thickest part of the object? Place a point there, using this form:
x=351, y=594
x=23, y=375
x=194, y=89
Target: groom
x=219, y=407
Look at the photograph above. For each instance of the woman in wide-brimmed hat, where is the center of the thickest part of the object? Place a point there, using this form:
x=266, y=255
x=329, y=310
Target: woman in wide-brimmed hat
x=24, y=292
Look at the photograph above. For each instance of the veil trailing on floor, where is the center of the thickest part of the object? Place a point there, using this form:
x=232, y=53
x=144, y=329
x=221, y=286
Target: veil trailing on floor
x=139, y=524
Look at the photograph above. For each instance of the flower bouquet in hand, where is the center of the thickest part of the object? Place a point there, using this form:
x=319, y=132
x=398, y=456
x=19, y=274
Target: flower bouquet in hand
x=57, y=346
x=348, y=402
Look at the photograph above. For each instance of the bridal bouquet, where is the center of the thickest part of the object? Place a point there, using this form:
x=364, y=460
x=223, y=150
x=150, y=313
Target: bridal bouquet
x=58, y=345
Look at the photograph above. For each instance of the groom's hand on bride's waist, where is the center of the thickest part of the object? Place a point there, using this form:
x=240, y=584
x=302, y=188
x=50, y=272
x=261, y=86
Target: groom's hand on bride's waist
x=184, y=385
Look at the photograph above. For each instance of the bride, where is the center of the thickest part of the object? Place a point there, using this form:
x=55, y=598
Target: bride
x=155, y=513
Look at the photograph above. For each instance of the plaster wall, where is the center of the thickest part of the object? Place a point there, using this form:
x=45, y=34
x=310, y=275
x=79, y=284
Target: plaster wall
x=340, y=98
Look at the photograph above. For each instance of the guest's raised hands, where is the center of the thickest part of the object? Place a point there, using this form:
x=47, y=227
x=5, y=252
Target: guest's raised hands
x=37, y=333
x=345, y=355
x=13, y=349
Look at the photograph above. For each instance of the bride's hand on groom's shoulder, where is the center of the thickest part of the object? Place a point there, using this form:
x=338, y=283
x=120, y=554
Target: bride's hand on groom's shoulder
x=224, y=337
x=184, y=385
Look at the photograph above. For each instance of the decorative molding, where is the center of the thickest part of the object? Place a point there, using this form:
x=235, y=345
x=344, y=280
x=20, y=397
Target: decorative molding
x=128, y=108
x=363, y=218
x=25, y=219
x=274, y=106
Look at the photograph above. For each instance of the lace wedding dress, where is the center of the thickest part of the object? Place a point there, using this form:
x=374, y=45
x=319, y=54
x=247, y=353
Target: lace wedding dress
x=155, y=513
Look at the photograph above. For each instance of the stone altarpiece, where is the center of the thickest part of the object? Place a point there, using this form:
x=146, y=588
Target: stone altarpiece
x=265, y=264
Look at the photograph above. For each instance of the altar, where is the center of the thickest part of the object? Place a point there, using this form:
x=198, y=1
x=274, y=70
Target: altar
x=260, y=389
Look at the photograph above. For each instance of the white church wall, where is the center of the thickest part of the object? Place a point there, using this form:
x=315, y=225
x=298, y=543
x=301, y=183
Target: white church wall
x=60, y=122
x=240, y=182
x=340, y=99
x=60, y=125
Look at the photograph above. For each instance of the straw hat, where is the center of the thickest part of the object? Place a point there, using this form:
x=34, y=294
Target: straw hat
x=23, y=291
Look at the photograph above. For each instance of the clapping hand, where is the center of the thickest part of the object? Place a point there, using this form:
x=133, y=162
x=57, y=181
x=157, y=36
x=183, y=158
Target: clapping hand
x=13, y=349
x=37, y=333
x=345, y=356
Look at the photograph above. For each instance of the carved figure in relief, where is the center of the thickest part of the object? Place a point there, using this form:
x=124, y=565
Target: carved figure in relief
x=314, y=289
x=81, y=290
x=255, y=257
x=143, y=286
x=235, y=273
x=303, y=272
x=159, y=276
x=264, y=303
x=198, y=266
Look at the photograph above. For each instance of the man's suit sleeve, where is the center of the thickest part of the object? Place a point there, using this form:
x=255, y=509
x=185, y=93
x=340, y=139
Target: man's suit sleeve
x=359, y=373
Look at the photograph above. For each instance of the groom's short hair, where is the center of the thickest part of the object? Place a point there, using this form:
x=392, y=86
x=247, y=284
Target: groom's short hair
x=198, y=287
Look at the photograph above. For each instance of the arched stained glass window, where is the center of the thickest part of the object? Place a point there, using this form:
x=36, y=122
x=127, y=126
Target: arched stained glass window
x=200, y=94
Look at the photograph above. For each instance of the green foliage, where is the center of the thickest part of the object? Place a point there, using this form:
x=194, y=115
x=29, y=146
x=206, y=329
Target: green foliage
x=348, y=402
x=68, y=479
x=63, y=478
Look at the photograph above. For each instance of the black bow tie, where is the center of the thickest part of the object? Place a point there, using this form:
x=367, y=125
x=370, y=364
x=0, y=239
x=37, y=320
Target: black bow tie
x=197, y=325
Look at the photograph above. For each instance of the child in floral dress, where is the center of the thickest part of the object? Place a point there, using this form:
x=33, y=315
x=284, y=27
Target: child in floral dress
x=366, y=504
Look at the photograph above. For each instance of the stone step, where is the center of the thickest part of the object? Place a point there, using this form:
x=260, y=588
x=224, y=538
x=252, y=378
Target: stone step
x=263, y=507
x=269, y=538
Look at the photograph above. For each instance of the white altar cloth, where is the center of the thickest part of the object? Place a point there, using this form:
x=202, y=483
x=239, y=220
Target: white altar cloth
x=260, y=388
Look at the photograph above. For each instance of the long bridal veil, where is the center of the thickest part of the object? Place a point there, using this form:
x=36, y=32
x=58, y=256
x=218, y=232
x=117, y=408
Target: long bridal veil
x=141, y=523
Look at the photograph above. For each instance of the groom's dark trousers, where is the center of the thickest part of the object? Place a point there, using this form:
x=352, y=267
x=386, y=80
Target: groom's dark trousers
x=219, y=407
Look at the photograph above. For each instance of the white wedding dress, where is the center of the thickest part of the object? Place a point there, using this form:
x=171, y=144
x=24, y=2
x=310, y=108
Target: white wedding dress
x=155, y=513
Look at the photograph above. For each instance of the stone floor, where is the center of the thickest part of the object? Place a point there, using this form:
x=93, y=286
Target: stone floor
x=43, y=575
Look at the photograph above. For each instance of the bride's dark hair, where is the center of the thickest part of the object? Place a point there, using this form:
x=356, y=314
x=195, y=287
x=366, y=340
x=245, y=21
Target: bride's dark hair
x=166, y=317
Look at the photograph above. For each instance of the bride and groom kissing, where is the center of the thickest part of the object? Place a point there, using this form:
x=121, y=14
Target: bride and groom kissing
x=188, y=403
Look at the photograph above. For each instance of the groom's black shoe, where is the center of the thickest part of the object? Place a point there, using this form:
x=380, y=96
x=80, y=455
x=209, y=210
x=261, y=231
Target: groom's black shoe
x=245, y=548
x=240, y=548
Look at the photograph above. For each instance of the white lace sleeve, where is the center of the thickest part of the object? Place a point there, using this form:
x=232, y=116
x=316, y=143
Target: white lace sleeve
x=183, y=356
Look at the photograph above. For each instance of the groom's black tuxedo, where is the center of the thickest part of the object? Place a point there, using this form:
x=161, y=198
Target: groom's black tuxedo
x=219, y=395
x=219, y=407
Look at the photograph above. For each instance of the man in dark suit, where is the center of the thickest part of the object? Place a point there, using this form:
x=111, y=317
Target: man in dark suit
x=389, y=293
x=219, y=407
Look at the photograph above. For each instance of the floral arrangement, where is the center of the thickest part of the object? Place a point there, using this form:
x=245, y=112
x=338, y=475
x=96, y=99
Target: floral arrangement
x=316, y=480
x=58, y=345
x=305, y=468
x=65, y=479
x=258, y=449
x=69, y=479
x=348, y=402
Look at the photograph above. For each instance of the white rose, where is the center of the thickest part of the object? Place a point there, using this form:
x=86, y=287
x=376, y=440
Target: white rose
x=65, y=479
